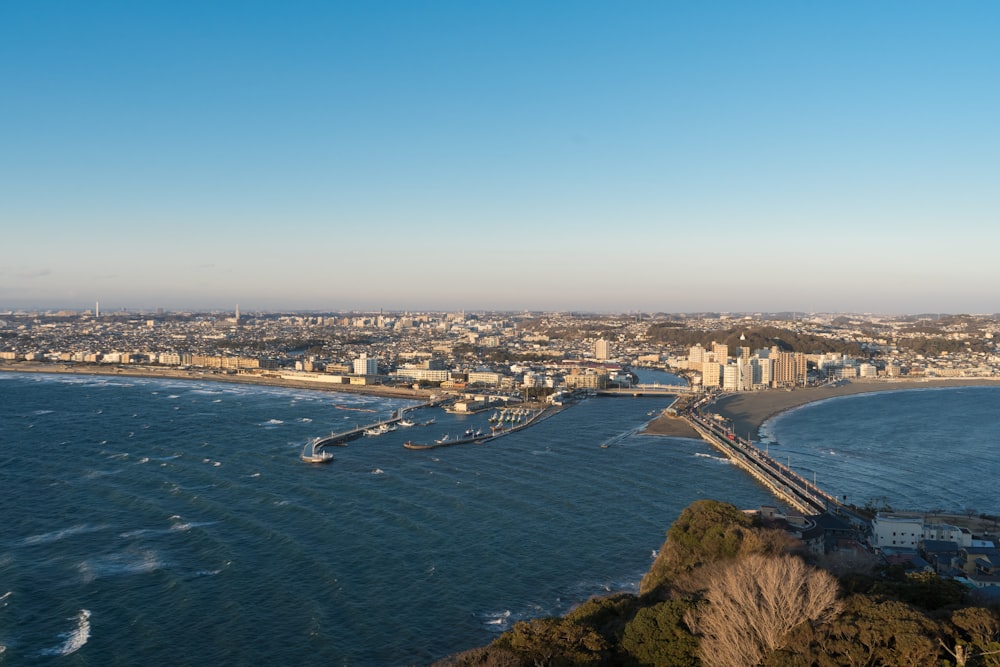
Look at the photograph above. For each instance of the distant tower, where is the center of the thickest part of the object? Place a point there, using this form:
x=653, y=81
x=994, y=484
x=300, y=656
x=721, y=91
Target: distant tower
x=97, y=309
x=237, y=313
x=601, y=349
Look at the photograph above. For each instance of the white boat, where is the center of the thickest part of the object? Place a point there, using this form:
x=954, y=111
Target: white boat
x=406, y=423
x=320, y=457
x=443, y=439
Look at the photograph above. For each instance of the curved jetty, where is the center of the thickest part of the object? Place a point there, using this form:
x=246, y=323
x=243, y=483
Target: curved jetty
x=312, y=455
x=313, y=451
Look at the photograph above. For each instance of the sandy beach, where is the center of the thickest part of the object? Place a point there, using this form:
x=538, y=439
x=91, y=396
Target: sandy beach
x=749, y=410
x=668, y=425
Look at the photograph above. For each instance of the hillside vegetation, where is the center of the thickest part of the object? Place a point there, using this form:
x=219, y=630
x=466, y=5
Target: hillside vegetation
x=726, y=592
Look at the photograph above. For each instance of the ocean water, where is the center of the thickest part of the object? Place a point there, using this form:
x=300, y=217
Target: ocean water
x=922, y=449
x=169, y=522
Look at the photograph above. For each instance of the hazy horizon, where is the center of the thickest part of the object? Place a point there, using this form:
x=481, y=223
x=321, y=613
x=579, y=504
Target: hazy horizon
x=662, y=157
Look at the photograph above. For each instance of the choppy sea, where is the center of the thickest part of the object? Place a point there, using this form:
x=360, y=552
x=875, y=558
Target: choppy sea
x=168, y=522
x=922, y=449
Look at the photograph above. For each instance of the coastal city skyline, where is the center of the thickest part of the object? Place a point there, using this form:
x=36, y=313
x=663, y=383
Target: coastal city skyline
x=665, y=157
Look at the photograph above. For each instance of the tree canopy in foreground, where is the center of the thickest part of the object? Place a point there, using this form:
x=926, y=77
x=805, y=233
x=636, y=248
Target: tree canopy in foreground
x=727, y=592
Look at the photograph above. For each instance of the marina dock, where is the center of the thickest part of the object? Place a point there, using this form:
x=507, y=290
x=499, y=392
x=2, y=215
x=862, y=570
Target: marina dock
x=496, y=432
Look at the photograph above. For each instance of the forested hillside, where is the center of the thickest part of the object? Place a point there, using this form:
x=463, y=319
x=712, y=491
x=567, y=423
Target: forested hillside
x=724, y=591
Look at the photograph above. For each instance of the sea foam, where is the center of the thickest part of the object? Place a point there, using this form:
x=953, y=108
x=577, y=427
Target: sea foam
x=75, y=638
x=56, y=535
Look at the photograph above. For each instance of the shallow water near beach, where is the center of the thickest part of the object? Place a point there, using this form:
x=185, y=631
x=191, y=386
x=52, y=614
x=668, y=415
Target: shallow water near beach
x=171, y=522
x=922, y=449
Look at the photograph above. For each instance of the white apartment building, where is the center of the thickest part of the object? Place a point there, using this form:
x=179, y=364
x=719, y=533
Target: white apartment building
x=731, y=377
x=365, y=365
x=907, y=531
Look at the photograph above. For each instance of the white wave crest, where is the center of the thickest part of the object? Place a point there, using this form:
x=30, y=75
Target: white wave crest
x=126, y=563
x=496, y=621
x=720, y=459
x=75, y=638
x=56, y=535
x=188, y=525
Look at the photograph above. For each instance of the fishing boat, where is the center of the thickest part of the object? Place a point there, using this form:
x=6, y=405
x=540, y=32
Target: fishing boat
x=443, y=439
x=322, y=456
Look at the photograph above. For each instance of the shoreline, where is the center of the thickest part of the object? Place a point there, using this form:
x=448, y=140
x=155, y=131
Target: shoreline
x=671, y=427
x=157, y=373
x=748, y=411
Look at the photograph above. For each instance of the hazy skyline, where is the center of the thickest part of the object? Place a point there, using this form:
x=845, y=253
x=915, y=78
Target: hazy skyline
x=657, y=156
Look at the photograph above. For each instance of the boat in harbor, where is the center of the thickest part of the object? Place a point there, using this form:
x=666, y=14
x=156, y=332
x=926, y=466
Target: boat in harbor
x=406, y=423
x=443, y=439
x=322, y=456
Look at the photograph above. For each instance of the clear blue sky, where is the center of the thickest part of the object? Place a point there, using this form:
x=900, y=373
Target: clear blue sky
x=672, y=156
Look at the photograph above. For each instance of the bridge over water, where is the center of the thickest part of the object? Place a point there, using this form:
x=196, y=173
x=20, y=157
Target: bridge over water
x=788, y=485
x=649, y=390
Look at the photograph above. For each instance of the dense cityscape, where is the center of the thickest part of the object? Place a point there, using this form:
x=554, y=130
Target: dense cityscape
x=515, y=351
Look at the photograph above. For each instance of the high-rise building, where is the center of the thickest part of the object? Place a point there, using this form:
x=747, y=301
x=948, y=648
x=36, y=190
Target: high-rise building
x=789, y=368
x=696, y=356
x=365, y=365
x=761, y=371
x=731, y=377
x=721, y=352
x=601, y=349
x=711, y=374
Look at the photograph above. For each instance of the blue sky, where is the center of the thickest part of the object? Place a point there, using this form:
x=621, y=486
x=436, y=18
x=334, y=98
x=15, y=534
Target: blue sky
x=658, y=156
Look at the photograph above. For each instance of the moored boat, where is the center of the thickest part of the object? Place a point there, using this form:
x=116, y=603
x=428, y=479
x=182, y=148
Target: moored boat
x=318, y=457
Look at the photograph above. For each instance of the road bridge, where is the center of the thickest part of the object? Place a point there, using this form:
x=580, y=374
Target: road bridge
x=788, y=485
x=648, y=390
